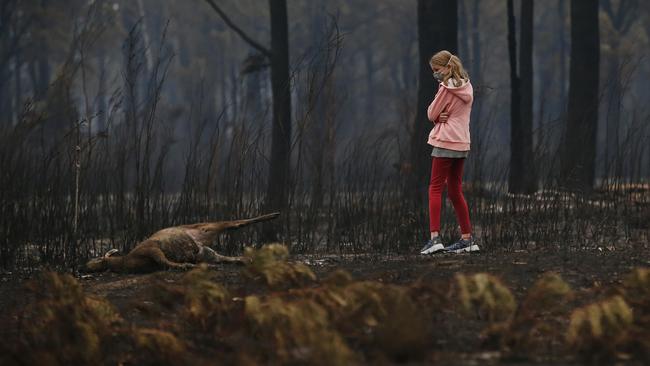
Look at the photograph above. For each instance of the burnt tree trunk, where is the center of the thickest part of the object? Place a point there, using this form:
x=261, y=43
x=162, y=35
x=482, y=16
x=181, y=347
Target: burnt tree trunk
x=526, y=78
x=102, y=104
x=562, y=42
x=370, y=85
x=516, y=160
x=622, y=15
x=477, y=107
x=612, y=161
x=447, y=24
x=579, y=143
x=318, y=98
x=281, y=135
x=522, y=177
x=476, y=40
x=437, y=30
x=18, y=62
x=463, y=32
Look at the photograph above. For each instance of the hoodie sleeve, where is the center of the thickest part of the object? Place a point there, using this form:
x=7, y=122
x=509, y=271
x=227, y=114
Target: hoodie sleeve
x=435, y=108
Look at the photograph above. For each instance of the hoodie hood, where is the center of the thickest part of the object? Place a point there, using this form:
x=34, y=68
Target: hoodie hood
x=465, y=91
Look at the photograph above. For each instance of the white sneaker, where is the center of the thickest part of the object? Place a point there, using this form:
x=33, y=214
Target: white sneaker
x=463, y=246
x=432, y=246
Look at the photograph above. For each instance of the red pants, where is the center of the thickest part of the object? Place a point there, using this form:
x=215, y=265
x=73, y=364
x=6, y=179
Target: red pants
x=449, y=170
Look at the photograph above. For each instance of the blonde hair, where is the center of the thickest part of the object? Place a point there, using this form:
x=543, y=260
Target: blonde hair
x=457, y=71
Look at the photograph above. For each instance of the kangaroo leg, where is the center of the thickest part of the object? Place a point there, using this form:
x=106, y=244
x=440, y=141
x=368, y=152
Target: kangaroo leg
x=159, y=257
x=205, y=232
x=208, y=255
x=236, y=224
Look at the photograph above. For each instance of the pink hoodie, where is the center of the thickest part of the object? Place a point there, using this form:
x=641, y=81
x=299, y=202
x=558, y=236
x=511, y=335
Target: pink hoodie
x=457, y=101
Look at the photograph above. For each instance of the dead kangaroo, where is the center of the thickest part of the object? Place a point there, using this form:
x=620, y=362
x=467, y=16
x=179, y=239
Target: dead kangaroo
x=178, y=247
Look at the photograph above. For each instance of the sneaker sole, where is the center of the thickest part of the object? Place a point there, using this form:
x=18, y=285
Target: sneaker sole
x=472, y=248
x=434, y=249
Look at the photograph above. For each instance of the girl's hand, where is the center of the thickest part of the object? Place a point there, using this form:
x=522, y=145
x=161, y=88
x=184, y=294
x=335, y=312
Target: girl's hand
x=444, y=116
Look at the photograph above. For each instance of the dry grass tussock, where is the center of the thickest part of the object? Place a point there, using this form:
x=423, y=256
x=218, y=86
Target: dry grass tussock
x=536, y=323
x=64, y=326
x=269, y=265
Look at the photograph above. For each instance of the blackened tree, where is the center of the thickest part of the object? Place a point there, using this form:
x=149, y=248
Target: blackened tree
x=522, y=178
x=437, y=30
x=579, y=143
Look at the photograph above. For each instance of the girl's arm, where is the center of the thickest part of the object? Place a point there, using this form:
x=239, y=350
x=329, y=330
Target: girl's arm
x=436, y=107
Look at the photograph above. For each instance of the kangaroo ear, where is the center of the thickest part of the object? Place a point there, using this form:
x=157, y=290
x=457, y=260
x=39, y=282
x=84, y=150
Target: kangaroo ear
x=110, y=253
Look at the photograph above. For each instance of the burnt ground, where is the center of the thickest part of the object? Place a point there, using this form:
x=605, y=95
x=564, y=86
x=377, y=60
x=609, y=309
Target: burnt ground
x=582, y=269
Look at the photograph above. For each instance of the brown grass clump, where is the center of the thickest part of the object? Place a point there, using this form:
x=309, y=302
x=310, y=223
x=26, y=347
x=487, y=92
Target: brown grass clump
x=535, y=324
x=269, y=265
x=338, y=277
x=636, y=291
x=206, y=302
x=203, y=304
x=485, y=295
x=63, y=326
x=295, y=332
x=157, y=347
x=404, y=330
x=547, y=295
x=375, y=316
x=597, y=331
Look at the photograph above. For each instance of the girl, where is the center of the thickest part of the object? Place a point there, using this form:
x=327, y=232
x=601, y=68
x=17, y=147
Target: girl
x=450, y=112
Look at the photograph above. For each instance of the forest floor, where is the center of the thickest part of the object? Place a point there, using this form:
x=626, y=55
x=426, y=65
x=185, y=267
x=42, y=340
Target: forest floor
x=459, y=344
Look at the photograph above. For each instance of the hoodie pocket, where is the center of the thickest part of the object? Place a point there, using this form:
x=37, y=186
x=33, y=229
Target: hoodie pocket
x=452, y=132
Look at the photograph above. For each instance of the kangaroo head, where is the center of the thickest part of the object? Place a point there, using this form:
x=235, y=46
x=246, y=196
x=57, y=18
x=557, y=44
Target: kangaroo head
x=99, y=264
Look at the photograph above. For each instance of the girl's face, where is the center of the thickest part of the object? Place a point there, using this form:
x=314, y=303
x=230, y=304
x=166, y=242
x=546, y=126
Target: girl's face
x=439, y=72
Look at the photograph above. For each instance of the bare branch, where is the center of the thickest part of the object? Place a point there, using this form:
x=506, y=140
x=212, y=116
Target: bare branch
x=238, y=30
